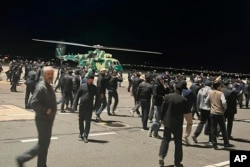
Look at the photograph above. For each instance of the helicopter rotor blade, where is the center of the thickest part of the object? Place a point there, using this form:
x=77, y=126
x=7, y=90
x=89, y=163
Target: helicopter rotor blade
x=96, y=46
x=130, y=50
x=66, y=43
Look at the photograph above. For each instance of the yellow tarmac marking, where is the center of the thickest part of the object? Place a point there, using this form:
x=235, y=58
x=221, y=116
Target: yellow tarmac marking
x=11, y=113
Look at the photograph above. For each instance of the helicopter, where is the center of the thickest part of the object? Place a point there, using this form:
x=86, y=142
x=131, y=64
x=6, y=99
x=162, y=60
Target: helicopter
x=96, y=58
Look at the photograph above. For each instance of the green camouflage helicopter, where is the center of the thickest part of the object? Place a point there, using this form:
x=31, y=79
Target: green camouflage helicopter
x=97, y=58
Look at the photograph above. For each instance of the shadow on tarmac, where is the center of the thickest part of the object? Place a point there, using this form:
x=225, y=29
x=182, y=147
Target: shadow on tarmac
x=242, y=120
x=97, y=141
x=198, y=145
x=241, y=140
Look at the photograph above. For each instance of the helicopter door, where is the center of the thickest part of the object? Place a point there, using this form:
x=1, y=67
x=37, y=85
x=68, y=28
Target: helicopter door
x=108, y=64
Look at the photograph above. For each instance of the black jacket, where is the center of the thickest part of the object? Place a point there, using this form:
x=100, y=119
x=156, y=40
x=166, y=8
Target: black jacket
x=231, y=98
x=86, y=93
x=173, y=109
x=67, y=83
x=144, y=92
x=44, y=98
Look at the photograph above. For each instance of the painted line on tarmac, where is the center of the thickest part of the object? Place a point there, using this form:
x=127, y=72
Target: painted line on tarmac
x=55, y=138
x=102, y=134
x=221, y=164
x=33, y=140
x=162, y=127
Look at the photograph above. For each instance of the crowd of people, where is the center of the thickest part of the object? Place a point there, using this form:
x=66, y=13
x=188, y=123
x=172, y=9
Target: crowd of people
x=160, y=99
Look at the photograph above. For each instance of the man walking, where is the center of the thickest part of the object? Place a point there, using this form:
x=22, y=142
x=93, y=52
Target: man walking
x=87, y=92
x=174, y=107
x=101, y=89
x=30, y=85
x=218, y=103
x=44, y=103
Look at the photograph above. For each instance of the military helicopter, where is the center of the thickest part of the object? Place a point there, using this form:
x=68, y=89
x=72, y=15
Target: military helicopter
x=97, y=58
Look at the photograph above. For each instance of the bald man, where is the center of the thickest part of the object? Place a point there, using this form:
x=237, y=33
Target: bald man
x=44, y=104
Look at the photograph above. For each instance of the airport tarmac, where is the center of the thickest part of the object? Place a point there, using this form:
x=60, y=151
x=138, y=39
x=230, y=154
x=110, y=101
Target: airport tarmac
x=117, y=141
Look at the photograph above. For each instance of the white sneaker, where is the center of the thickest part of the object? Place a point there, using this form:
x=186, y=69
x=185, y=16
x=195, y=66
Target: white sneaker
x=131, y=113
x=185, y=140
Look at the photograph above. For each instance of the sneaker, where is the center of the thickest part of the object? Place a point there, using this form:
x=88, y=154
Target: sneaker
x=138, y=114
x=194, y=139
x=149, y=133
x=179, y=165
x=185, y=140
x=80, y=136
x=131, y=113
x=150, y=121
x=157, y=136
x=19, y=163
x=98, y=118
x=85, y=139
x=215, y=147
x=161, y=162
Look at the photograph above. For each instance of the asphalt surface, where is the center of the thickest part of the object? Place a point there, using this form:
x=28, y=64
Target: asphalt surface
x=117, y=141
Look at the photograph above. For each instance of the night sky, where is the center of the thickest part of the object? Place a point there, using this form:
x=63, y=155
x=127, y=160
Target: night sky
x=213, y=35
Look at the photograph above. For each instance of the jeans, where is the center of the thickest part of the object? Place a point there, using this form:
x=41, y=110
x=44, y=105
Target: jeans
x=155, y=126
x=102, y=105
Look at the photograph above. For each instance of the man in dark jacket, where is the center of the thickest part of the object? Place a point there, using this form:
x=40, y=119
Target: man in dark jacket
x=67, y=90
x=44, y=104
x=30, y=85
x=136, y=80
x=101, y=89
x=174, y=107
x=144, y=93
x=87, y=93
x=113, y=80
x=231, y=98
x=158, y=92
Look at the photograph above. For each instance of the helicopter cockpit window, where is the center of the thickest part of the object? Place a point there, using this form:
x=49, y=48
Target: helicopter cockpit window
x=116, y=63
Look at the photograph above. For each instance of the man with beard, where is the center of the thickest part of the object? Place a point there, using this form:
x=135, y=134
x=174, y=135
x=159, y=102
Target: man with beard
x=44, y=104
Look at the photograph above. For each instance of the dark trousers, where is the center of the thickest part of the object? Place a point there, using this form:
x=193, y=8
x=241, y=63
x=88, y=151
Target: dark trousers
x=112, y=94
x=246, y=99
x=102, y=105
x=145, y=107
x=240, y=99
x=129, y=85
x=195, y=111
x=204, y=117
x=13, y=86
x=29, y=90
x=44, y=129
x=67, y=98
x=215, y=121
x=178, y=153
x=85, y=114
x=230, y=118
